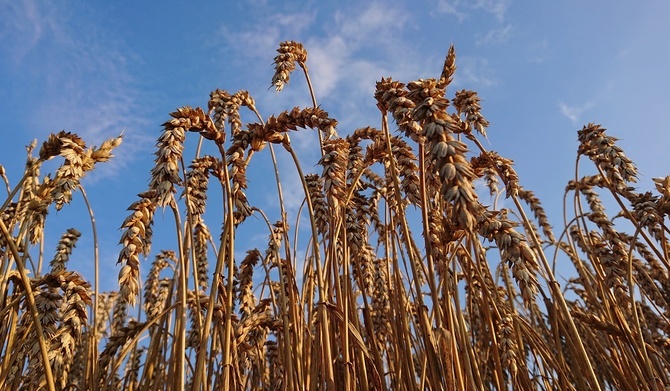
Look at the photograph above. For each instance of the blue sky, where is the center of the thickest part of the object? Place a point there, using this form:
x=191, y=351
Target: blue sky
x=543, y=69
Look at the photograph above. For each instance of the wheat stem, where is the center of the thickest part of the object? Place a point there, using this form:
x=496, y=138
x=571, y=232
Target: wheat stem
x=28, y=292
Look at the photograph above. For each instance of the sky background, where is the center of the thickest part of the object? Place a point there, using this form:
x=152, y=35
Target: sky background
x=542, y=69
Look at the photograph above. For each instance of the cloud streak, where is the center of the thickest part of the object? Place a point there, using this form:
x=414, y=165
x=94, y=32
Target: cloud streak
x=463, y=10
x=77, y=83
x=495, y=36
x=574, y=113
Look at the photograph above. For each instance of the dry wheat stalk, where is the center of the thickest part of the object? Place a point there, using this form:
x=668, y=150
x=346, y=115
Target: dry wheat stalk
x=196, y=198
x=389, y=314
x=115, y=342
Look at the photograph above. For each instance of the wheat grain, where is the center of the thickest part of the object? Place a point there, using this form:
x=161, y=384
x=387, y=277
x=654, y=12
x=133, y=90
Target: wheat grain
x=603, y=151
x=334, y=162
x=541, y=216
x=154, y=302
x=64, y=249
x=290, y=52
x=245, y=296
x=321, y=211
x=467, y=102
x=136, y=240
x=514, y=250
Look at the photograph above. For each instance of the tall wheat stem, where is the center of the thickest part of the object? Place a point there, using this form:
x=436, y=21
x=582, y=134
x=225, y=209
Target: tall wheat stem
x=311, y=94
x=554, y=286
x=433, y=361
x=437, y=309
x=4, y=266
x=324, y=324
x=633, y=220
x=227, y=235
x=179, y=349
x=91, y=364
x=28, y=292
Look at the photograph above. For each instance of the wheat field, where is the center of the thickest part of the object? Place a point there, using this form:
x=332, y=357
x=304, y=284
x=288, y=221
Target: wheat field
x=400, y=278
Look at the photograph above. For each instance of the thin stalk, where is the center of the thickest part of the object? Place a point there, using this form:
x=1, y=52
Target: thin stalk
x=91, y=363
x=638, y=328
x=188, y=250
x=554, y=286
x=435, y=367
x=19, y=186
x=228, y=234
x=28, y=292
x=426, y=236
x=283, y=307
x=9, y=336
x=311, y=94
x=470, y=363
x=178, y=355
x=230, y=239
x=322, y=313
x=489, y=311
x=128, y=345
x=632, y=219
x=343, y=296
x=4, y=266
x=289, y=343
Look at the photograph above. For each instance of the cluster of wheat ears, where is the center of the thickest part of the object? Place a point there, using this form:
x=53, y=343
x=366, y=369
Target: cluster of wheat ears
x=407, y=280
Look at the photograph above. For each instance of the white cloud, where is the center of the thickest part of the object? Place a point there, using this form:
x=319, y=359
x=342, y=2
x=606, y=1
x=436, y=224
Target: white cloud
x=474, y=73
x=452, y=7
x=463, y=9
x=574, y=113
x=82, y=84
x=355, y=31
x=495, y=36
x=538, y=51
x=375, y=23
x=497, y=8
x=326, y=61
x=263, y=38
x=254, y=43
x=341, y=48
x=21, y=28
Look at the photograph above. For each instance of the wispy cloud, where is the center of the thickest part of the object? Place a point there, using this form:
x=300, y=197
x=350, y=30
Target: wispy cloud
x=462, y=9
x=341, y=47
x=21, y=29
x=474, y=73
x=495, y=36
x=574, y=113
x=538, y=51
x=262, y=37
x=498, y=8
x=79, y=83
x=452, y=7
x=377, y=22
